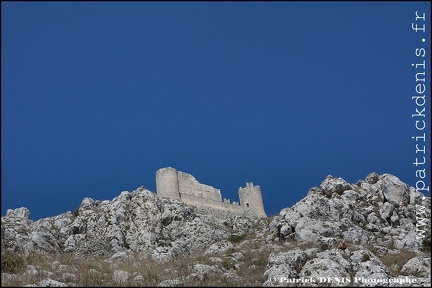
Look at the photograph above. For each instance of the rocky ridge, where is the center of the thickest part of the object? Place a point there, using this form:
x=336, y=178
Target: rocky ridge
x=363, y=234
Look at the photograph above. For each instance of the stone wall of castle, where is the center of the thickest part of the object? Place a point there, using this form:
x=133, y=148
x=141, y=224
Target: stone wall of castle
x=190, y=188
x=175, y=184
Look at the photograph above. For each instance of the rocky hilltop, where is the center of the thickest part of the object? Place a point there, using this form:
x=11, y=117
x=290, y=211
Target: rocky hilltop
x=375, y=232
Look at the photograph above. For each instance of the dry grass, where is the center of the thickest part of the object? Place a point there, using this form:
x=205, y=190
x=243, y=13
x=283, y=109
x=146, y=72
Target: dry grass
x=395, y=261
x=97, y=271
x=86, y=271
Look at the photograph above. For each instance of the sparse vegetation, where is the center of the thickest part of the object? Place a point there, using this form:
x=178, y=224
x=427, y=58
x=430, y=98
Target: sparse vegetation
x=365, y=257
x=395, y=261
x=12, y=262
x=76, y=211
x=324, y=246
x=98, y=271
x=307, y=245
x=236, y=238
x=426, y=244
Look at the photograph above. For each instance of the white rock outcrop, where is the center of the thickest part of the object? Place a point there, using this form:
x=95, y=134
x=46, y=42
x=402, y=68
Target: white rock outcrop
x=338, y=230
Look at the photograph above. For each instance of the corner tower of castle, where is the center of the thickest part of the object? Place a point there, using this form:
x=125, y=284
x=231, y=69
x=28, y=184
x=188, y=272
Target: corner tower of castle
x=167, y=184
x=251, y=199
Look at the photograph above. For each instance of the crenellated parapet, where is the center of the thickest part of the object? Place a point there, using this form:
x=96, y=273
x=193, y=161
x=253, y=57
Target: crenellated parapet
x=174, y=184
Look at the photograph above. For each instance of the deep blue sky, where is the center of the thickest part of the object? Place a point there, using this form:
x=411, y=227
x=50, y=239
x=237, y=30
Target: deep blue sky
x=97, y=96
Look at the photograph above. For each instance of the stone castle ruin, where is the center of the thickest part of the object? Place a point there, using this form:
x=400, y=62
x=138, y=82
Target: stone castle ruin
x=174, y=184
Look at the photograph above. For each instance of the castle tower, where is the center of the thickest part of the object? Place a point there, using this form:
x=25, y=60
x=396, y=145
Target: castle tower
x=167, y=183
x=251, y=200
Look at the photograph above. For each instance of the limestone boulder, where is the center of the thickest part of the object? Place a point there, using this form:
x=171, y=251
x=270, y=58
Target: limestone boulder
x=171, y=283
x=284, y=264
x=51, y=283
x=386, y=211
x=120, y=276
x=22, y=212
x=366, y=265
x=372, y=178
x=326, y=267
x=419, y=266
x=203, y=271
x=334, y=185
x=395, y=191
x=218, y=247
